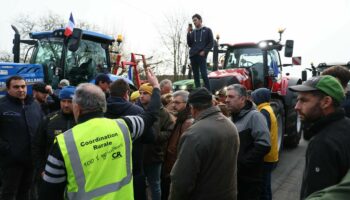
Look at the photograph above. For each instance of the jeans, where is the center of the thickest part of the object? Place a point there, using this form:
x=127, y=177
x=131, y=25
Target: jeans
x=199, y=64
x=152, y=173
x=267, y=193
x=16, y=182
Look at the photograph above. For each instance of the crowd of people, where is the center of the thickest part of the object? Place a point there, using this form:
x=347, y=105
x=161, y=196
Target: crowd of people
x=105, y=141
x=95, y=141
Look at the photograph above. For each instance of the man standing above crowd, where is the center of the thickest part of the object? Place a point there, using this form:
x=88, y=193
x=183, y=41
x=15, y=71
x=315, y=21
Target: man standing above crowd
x=20, y=116
x=181, y=110
x=254, y=138
x=200, y=40
x=205, y=168
x=328, y=152
x=93, y=159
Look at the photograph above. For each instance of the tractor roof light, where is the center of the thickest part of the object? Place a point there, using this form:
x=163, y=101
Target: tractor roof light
x=119, y=39
x=263, y=45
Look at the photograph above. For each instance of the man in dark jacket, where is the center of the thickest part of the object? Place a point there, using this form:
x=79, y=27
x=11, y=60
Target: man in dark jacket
x=254, y=138
x=206, y=164
x=200, y=40
x=53, y=124
x=20, y=116
x=328, y=152
x=154, y=153
x=44, y=95
x=119, y=106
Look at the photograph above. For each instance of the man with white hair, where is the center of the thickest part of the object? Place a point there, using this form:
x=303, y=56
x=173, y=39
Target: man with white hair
x=93, y=159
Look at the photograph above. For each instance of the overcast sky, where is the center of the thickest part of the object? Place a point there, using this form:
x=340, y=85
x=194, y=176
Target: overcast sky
x=320, y=29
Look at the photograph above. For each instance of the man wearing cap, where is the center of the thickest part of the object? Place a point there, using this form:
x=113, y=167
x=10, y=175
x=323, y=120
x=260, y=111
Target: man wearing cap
x=255, y=142
x=53, y=124
x=328, y=152
x=206, y=164
x=41, y=93
x=103, y=81
x=154, y=153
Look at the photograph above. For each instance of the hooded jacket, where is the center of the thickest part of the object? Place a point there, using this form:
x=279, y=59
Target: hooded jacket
x=200, y=40
x=255, y=144
x=18, y=124
x=328, y=153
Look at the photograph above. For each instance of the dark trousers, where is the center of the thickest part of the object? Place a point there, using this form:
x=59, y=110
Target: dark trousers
x=140, y=187
x=267, y=193
x=199, y=63
x=165, y=184
x=16, y=182
x=249, y=190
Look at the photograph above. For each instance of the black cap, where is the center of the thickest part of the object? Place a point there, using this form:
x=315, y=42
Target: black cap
x=200, y=95
x=40, y=87
x=102, y=77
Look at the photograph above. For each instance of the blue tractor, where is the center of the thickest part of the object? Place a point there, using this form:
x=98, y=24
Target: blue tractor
x=78, y=58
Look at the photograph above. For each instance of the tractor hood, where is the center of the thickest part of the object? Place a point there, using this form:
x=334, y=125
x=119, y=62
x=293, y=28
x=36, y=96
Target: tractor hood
x=241, y=74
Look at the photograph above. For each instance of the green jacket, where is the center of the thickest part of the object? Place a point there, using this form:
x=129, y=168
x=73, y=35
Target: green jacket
x=340, y=191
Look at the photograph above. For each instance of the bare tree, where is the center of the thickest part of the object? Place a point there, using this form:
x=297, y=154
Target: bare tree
x=174, y=39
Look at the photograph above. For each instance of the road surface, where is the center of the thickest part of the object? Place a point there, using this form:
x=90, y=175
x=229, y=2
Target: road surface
x=286, y=178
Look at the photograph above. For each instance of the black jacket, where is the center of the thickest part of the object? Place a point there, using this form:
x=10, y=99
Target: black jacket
x=52, y=125
x=328, y=153
x=18, y=124
x=118, y=107
x=200, y=40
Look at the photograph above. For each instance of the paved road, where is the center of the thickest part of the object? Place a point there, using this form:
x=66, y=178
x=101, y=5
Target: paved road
x=286, y=178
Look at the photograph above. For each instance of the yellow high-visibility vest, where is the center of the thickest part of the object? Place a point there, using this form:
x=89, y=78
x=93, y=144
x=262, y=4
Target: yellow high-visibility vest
x=97, y=157
x=272, y=156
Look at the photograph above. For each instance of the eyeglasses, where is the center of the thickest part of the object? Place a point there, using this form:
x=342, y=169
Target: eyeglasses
x=178, y=102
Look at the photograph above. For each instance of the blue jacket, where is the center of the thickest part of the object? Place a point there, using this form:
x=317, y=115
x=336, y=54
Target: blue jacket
x=18, y=124
x=200, y=40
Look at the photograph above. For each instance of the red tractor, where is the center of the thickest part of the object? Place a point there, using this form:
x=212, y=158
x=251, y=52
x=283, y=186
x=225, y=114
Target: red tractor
x=257, y=65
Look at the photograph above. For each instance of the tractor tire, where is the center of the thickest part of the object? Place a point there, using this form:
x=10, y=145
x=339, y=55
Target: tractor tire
x=278, y=108
x=294, y=129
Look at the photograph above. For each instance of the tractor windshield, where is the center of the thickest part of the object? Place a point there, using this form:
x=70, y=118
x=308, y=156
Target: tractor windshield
x=48, y=52
x=243, y=57
x=83, y=64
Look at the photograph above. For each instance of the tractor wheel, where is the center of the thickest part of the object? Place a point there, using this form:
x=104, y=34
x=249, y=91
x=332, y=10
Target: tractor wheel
x=278, y=109
x=294, y=129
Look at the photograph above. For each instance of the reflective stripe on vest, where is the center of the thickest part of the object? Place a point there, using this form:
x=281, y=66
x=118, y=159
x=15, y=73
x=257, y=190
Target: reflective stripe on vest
x=77, y=167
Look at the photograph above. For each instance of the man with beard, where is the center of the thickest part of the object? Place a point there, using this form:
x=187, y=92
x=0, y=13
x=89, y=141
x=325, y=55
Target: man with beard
x=45, y=96
x=183, y=121
x=328, y=152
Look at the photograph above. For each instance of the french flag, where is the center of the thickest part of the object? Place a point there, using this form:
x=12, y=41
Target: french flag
x=70, y=26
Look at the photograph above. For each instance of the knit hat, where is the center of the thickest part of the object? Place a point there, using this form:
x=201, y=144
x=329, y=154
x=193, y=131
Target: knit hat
x=261, y=95
x=200, y=95
x=327, y=84
x=134, y=95
x=67, y=92
x=40, y=87
x=146, y=87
